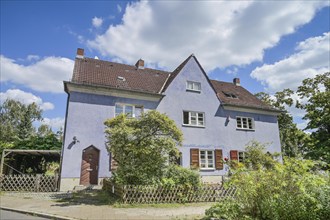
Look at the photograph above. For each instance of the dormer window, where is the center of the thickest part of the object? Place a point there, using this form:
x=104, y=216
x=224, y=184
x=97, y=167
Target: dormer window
x=193, y=86
x=230, y=95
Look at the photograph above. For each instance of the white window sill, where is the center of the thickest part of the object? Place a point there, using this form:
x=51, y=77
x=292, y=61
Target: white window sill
x=191, y=90
x=193, y=126
x=245, y=129
x=207, y=169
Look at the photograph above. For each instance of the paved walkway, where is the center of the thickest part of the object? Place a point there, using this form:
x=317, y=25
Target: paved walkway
x=87, y=211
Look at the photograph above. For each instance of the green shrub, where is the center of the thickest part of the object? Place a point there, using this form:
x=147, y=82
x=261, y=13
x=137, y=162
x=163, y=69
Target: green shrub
x=177, y=175
x=293, y=190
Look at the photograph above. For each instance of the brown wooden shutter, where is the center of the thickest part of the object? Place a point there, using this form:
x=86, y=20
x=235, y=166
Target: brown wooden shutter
x=234, y=155
x=218, y=159
x=194, y=158
x=114, y=164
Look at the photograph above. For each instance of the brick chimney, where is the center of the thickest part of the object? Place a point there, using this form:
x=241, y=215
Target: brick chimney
x=80, y=53
x=237, y=81
x=140, y=64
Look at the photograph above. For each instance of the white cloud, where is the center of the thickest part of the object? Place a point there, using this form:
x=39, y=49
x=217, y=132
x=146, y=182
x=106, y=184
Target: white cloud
x=25, y=98
x=45, y=75
x=97, y=22
x=219, y=33
x=312, y=57
x=54, y=123
x=119, y=8
x=33, y=57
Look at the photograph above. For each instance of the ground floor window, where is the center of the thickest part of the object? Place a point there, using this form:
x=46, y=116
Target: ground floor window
x=206, y=159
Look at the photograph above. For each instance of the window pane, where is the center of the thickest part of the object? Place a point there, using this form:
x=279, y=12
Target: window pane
x=197, y=86
x=193, y=118
x=250, y=123
x=190, y=85
x=244, y=120
x=186, y=118
x=129, y=110
x=118, y=109
x=240, y=156
x=200, y=119
x=239, y=122
x=138, y=111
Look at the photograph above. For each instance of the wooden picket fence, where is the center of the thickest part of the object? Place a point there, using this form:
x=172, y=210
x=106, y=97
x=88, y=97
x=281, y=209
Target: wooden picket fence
x=29, y=183
x=168, y=194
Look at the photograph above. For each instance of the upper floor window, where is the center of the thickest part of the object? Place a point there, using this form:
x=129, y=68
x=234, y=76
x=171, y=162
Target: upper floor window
x=193, y=118
x=193, y=86
x=133, y=111
x=245, y=123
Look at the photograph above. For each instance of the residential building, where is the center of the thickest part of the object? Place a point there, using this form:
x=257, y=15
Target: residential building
x=217, y=118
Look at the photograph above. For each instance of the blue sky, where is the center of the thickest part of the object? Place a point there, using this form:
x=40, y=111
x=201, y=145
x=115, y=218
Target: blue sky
x=270, y=46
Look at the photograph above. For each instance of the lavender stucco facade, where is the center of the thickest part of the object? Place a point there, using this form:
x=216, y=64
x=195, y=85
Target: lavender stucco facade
x=89, y=106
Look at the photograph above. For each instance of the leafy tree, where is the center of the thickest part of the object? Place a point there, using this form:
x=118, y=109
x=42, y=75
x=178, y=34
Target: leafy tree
x=18, y=132
x=293, y=140
x=141, y=146
x=317, y=92
x=16, y=120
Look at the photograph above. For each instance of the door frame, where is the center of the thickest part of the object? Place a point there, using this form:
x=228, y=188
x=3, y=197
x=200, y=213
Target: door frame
x=97, y=164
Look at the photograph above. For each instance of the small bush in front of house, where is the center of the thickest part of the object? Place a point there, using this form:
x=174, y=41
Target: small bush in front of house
x=293, y=190
x=177, y=175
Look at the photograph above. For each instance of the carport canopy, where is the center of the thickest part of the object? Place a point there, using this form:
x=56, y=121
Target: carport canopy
x=7, y=152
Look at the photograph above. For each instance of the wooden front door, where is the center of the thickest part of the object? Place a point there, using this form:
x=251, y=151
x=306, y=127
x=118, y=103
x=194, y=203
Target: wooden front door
x=89, y=166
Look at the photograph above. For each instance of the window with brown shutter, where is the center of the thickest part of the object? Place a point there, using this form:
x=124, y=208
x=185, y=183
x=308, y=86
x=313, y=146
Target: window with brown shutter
x=218, y=159
x=194, y=158
x=234, y=155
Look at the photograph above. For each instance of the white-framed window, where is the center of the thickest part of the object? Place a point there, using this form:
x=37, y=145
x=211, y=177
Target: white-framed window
x=241, y=156
x=133, y=111
x=193, y=118
x=206, y=159
x=194, y=86
x=245, y=123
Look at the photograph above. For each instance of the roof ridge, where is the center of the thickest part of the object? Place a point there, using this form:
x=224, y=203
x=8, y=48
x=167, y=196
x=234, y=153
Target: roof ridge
x=122, y=64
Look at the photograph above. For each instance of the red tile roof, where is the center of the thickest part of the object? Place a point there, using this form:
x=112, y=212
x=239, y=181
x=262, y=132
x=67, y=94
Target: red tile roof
x=231, y=94
x=115, y=75
x=104, y=73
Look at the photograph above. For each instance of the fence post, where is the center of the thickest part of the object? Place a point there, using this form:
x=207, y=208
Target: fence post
x=37, y=182
x=56, y=180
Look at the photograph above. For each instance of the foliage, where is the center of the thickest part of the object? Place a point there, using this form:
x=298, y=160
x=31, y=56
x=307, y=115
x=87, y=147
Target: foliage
x=293, y=190
x=178, y=175
x=16, y=120
x=18, y=132
x=316, y=92
x=141, y=146
x=293, y=140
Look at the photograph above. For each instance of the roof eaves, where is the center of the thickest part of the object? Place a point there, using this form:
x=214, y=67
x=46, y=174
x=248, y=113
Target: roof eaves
x=270, y=109
x=110, y=87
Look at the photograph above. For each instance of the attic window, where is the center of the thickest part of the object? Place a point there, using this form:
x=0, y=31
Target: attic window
x=193, y=86
x=230, y=95
x=121, y=78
